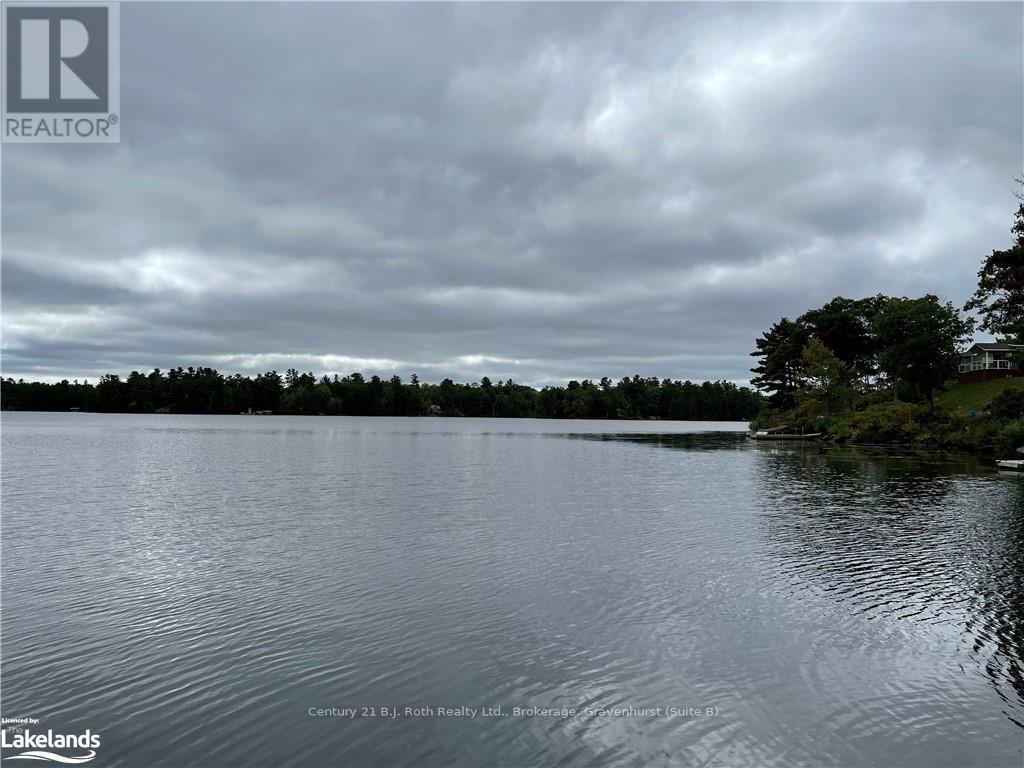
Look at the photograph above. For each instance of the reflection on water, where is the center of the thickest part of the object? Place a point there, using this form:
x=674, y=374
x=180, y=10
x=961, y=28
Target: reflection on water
x=931, y=540
x=189, y=587
x=696, y=441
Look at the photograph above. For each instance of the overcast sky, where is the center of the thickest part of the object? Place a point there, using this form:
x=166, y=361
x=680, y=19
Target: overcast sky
x=540, y=192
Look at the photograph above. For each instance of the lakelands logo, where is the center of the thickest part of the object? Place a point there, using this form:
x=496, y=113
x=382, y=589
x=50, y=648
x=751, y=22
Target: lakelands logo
x=62, y=72
x=39, y=746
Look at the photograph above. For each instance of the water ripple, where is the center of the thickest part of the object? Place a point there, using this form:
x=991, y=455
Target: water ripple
x=189, y=587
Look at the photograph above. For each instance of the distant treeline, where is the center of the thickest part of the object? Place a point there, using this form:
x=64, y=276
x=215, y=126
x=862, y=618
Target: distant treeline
x=205, y=390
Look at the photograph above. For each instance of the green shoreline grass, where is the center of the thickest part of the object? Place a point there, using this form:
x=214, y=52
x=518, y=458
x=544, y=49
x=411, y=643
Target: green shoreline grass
x=963, y=396
x=959, y=420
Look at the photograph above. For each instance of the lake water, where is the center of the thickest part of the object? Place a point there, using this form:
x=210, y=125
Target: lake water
x=191, y=587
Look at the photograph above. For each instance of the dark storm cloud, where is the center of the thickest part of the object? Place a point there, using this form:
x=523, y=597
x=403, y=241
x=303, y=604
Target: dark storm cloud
x=534, y=191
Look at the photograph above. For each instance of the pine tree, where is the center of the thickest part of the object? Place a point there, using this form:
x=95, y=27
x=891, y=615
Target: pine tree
x=1000, y=295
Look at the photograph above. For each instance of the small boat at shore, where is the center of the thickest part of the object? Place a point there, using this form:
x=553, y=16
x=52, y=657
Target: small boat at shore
x=784, y=433
x=1013, y=465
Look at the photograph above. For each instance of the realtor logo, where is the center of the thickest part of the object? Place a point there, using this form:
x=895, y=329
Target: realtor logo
x=62, y=67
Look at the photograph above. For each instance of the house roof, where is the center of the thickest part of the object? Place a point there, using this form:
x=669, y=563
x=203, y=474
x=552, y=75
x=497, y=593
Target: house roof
x=995, y=346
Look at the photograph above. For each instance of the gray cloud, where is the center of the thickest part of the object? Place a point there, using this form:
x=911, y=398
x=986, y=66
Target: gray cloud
x=528, y=191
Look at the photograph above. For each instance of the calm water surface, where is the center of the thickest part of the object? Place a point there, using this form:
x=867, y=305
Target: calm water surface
x=190, y=587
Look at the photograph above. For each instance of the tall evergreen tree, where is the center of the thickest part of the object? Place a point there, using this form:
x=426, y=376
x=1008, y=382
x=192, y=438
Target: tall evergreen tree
x=1000, y=295
x=780, y=351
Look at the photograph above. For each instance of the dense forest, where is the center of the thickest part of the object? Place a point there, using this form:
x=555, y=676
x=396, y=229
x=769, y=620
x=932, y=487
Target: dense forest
x=907, y=347
x=868, y=369
x=205, y=390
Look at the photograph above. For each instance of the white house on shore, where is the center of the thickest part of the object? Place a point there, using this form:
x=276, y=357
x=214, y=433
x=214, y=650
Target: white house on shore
x=990, y=360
